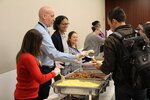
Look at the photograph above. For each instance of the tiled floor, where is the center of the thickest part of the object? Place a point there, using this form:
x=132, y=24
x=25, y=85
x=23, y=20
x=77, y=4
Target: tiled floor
x=108, y=95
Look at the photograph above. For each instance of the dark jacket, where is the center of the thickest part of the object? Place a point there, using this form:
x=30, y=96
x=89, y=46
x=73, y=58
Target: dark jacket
x=57, y=41
x=113, y=52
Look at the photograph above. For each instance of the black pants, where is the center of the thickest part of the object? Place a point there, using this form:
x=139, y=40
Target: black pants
x=45, y=88
x=127, y=93
x=148, y=94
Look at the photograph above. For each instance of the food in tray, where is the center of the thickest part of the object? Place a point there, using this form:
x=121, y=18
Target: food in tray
x=87, y=75
x=79, y=83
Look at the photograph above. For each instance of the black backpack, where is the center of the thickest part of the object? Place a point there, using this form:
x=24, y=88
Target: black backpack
x=136, y=59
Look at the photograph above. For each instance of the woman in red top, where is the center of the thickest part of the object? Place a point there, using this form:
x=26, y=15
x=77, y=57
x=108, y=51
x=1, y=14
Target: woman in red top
x=29, y=76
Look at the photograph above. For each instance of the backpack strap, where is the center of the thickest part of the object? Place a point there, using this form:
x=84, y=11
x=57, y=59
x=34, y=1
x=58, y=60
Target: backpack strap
x=118, y=35
x=122, y=36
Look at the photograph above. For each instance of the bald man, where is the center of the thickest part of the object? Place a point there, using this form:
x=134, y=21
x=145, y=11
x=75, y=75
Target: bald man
x=49, y=52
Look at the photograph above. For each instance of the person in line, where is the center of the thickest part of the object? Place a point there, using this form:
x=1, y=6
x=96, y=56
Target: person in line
x=113, y=55
x=142, y=33
x=29, y=76
x=95, y=40
x=49, y=53
x=139, y=27
x=60, y=40
x=146, y=30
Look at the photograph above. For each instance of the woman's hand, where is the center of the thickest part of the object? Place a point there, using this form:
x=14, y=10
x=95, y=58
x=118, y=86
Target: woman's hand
x=91, y=51
x=56, y=71
x=58, y=66
x=82, y=55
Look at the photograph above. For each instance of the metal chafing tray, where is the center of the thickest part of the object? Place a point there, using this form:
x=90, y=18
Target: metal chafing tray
x=80, y=90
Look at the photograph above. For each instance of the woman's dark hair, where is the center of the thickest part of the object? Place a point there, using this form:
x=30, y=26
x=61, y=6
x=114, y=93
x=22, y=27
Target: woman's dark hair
x=31, y=43
x=118, y=14
x=69, y=37
x=146, y=28
x=95, y=25
x=58, y=21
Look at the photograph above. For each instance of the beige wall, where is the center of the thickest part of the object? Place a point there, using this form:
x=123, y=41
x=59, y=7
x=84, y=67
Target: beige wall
x=18, y=16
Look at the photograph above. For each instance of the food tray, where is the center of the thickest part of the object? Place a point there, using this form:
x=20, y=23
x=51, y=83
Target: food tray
x=79, y=90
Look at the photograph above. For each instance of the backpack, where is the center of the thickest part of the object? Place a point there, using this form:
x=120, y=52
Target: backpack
x=136, y=59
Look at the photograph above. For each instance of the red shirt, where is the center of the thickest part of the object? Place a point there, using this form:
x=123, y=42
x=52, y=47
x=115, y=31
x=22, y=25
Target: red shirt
x=29, y=77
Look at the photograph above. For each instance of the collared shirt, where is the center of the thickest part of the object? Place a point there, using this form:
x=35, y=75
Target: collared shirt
x=109, y=32
x=49, y=51
x=65, y=45
x=64, y=42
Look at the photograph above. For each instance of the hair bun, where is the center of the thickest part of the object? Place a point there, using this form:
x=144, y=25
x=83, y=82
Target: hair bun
x=95, y=23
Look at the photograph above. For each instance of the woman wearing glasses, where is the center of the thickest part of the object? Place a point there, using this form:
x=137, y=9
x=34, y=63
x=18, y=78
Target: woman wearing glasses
x=60, y=40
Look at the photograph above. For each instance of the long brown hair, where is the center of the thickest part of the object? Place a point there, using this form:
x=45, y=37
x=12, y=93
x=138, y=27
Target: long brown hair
x=31, y=43
x=69, y=37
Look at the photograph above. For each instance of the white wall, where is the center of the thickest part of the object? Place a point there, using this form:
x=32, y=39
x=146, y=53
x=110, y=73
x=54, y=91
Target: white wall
x=7, y=85
x=18, y=16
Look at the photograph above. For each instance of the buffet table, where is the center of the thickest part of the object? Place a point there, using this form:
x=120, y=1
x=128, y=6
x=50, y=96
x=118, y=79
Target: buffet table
x=89, y=82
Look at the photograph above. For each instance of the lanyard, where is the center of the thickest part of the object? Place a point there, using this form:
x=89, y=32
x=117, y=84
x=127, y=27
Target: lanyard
x=41, y=25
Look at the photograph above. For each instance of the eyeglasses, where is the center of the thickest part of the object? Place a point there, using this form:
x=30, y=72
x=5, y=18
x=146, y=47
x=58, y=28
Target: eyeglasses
x=64, y=23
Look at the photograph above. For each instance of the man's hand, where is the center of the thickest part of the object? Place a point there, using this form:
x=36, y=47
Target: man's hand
x=96, y=63
x=58, y=64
